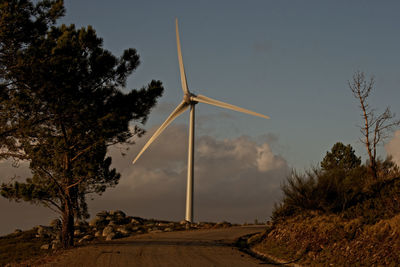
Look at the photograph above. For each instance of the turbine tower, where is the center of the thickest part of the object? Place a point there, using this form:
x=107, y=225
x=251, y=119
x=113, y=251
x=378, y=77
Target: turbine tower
x=190, y=100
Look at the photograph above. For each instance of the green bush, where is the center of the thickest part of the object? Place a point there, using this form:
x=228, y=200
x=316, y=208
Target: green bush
x=343, y=187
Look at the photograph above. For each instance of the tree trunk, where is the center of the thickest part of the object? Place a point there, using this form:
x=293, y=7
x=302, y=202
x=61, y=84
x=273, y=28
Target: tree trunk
x=67, y=234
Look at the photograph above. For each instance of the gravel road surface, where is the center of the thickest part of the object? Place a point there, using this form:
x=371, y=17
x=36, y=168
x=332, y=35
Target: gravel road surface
x=211, y=247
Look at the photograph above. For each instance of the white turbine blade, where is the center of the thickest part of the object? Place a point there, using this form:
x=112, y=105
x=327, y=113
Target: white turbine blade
x=207, y=100
x=181, y=68
x=178, y=111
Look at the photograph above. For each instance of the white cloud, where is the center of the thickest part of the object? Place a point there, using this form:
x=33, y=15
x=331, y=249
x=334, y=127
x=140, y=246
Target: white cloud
x=393, y=147
x=237, y=179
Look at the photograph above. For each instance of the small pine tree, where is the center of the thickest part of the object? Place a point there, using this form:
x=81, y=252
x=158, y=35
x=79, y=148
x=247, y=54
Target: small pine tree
x=340, y=157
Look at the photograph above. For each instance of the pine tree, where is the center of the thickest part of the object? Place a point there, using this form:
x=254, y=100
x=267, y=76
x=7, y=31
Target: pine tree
x=61, y=106
x=340, y=157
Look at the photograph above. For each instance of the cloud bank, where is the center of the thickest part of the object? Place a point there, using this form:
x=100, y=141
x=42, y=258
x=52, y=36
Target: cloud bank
x=393, y=147
x=236, y=180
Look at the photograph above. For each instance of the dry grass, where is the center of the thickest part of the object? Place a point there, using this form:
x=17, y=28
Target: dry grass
x=322, y=240
x=21, y=246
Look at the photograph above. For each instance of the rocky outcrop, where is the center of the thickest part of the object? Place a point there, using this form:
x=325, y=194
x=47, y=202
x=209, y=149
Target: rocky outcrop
x=110, y=225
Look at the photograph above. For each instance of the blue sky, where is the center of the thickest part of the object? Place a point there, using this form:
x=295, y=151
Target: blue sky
x=288, y=59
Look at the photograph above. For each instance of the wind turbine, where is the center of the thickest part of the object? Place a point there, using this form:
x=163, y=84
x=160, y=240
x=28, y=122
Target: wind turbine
x=190, y=100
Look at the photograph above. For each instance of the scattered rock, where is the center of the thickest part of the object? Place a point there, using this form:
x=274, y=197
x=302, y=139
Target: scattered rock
x=44, y=231
x=45, y=246
x=98, y=234
x=85, y=238
x=110, y=236
x=102, y=214
x=123, y=230
x=107, y=230
x=136, y=220
x=56, y=244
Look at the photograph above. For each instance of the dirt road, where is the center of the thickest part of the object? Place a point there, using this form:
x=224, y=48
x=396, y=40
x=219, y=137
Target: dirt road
x=185, y=248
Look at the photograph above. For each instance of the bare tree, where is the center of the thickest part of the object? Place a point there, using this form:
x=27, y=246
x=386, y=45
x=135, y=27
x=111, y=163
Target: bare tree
x=376, y=127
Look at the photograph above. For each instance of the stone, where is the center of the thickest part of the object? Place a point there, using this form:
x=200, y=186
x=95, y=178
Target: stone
x=56, y=244
x=167, y=229
x=123, y=230
x=93, y=222
x=43, y=231
x=45, y=246
x=137, y=220
x=118, y=213
x=107, y=230
x=102, y=214
x=81, y=224
x=85, y=238
x=98, y=234
x=110, y=236
x=77, y=232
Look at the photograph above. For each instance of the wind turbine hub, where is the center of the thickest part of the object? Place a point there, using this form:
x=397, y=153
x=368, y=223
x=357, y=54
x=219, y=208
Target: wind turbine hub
x=188, y=98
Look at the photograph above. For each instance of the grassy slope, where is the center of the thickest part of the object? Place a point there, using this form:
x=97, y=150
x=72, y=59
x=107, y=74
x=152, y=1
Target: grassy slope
x=17, y=247
x=365, y=235
x=328, y=239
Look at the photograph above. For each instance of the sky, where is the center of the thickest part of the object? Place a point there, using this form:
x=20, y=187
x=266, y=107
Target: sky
x=290, y=60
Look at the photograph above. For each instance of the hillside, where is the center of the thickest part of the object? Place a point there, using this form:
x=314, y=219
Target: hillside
x=337, y=217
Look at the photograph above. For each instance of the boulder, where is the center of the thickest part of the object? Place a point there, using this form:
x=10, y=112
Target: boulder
x=85, y=238
x=98, y=234
x=56, y=244
x=118, y=213
x=102, y=214
x=136, y=220
x=123, y=230
x=45, y=246
x=107, y=230
x=43, y=231
x=111, y=236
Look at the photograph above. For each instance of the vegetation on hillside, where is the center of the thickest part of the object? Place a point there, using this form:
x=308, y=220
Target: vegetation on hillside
x=342, y=212
x=338, y=214
x=342, y=186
